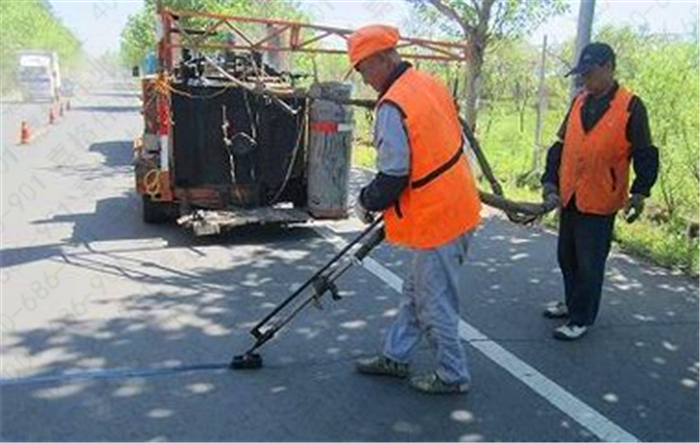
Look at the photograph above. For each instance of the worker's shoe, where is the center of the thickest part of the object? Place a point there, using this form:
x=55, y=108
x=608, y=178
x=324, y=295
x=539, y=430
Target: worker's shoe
x=432, y=384
x=557, y=310
x=570, y=332
x=381, y=365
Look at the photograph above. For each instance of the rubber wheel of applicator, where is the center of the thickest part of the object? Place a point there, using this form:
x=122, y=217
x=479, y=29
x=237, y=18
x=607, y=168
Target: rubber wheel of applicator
x=246, y=361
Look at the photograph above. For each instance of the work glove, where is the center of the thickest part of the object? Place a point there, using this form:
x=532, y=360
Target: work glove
x=550, y=197
x=634, y=207
x=363, y=214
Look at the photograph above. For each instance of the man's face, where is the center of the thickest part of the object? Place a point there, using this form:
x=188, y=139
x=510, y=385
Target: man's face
x=375, y=70
x=597, y=79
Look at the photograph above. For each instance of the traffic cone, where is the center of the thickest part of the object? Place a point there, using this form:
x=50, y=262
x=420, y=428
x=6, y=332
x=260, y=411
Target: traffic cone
x=24, y=133
x=52, y=116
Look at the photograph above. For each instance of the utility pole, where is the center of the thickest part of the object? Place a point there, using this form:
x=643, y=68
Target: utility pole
x=583, y=37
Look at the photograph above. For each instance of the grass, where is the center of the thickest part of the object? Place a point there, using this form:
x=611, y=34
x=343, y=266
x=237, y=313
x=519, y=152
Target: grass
x=363, y=155
x=509, y=150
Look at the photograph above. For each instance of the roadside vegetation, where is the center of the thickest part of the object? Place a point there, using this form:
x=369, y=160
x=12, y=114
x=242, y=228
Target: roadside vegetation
x=32, y=24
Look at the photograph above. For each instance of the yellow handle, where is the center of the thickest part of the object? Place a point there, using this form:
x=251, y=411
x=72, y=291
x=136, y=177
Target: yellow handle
x=152, y=182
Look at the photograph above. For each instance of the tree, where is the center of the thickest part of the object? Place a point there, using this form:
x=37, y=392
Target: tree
x=479, y=22
x=32, y=25
x=510, y=75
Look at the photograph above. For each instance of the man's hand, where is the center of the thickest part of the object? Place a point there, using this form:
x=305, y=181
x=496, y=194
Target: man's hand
x=550, y=197
x=634, y=207
x=363, y=214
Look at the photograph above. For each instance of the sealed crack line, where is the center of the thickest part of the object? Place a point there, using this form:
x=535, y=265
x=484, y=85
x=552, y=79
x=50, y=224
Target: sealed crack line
x=73, y=376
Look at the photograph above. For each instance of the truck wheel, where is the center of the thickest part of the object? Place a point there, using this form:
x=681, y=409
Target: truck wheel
x=155, y=212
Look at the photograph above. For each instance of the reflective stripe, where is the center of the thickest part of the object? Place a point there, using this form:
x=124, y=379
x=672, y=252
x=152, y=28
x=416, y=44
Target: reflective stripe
x=164, y=163
x=325, y=127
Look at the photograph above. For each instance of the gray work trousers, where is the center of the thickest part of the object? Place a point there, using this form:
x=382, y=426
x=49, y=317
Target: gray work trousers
x=430, y=307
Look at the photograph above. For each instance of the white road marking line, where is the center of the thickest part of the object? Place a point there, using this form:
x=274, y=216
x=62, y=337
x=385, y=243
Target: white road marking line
x=559, y=397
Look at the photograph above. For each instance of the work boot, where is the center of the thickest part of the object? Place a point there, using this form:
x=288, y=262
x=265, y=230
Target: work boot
x=381, y=365
x=557, y=310
x=570, y=332
x=432, y=384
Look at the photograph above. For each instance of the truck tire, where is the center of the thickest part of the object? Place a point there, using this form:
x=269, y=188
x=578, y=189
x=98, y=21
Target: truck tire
x=155, y=212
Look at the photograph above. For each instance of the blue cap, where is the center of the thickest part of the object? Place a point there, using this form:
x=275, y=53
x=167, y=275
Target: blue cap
x=593, y=54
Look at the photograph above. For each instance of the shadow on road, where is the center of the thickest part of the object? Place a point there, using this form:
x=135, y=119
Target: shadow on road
x=174, y=311
x=116, y=153
x=181, y=314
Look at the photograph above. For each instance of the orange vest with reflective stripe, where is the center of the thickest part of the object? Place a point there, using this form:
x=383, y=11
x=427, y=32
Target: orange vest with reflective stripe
x=595, y=165
x=441, y=200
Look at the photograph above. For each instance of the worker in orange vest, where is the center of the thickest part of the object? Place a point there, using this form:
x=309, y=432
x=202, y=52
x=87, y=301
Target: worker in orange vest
x=425, y=190
x=587, y=175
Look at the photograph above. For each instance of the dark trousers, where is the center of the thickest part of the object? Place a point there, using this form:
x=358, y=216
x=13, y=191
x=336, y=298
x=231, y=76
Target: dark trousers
x=584, y=244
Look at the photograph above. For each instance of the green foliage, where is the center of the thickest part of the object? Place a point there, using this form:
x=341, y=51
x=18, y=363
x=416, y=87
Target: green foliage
x=512, y=75
x=32, y=24
x=663, y=71
x=507, y=18
x=479, y=22
x=364, y=156
x=138, y=36
x=664, y=245
x=507, y=144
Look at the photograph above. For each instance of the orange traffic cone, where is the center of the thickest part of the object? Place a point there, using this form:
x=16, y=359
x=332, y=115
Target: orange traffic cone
x=24, y=133
x=52, y=116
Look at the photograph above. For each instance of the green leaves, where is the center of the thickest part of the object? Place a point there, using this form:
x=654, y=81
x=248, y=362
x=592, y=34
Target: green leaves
x=31, y=24
x=663, y=71
x=497, y=18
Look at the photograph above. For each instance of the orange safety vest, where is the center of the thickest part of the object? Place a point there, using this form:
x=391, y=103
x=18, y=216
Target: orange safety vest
x=441, y=200
x=595, y=165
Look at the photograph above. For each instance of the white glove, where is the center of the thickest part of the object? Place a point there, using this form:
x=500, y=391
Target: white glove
x=634, y=207
x=363, y=214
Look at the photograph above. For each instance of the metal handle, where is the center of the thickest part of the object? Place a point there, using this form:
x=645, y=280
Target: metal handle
x=374, y=240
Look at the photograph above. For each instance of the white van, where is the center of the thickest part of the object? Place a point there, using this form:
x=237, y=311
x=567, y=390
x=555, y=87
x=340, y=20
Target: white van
x=38, y=75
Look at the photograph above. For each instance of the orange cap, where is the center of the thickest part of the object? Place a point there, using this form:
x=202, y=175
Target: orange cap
x=370, y=40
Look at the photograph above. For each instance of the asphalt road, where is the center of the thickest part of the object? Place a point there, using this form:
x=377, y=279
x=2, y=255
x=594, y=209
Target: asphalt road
x=117, y=330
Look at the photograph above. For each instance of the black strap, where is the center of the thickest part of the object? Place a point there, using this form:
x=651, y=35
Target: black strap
x=438, y=171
